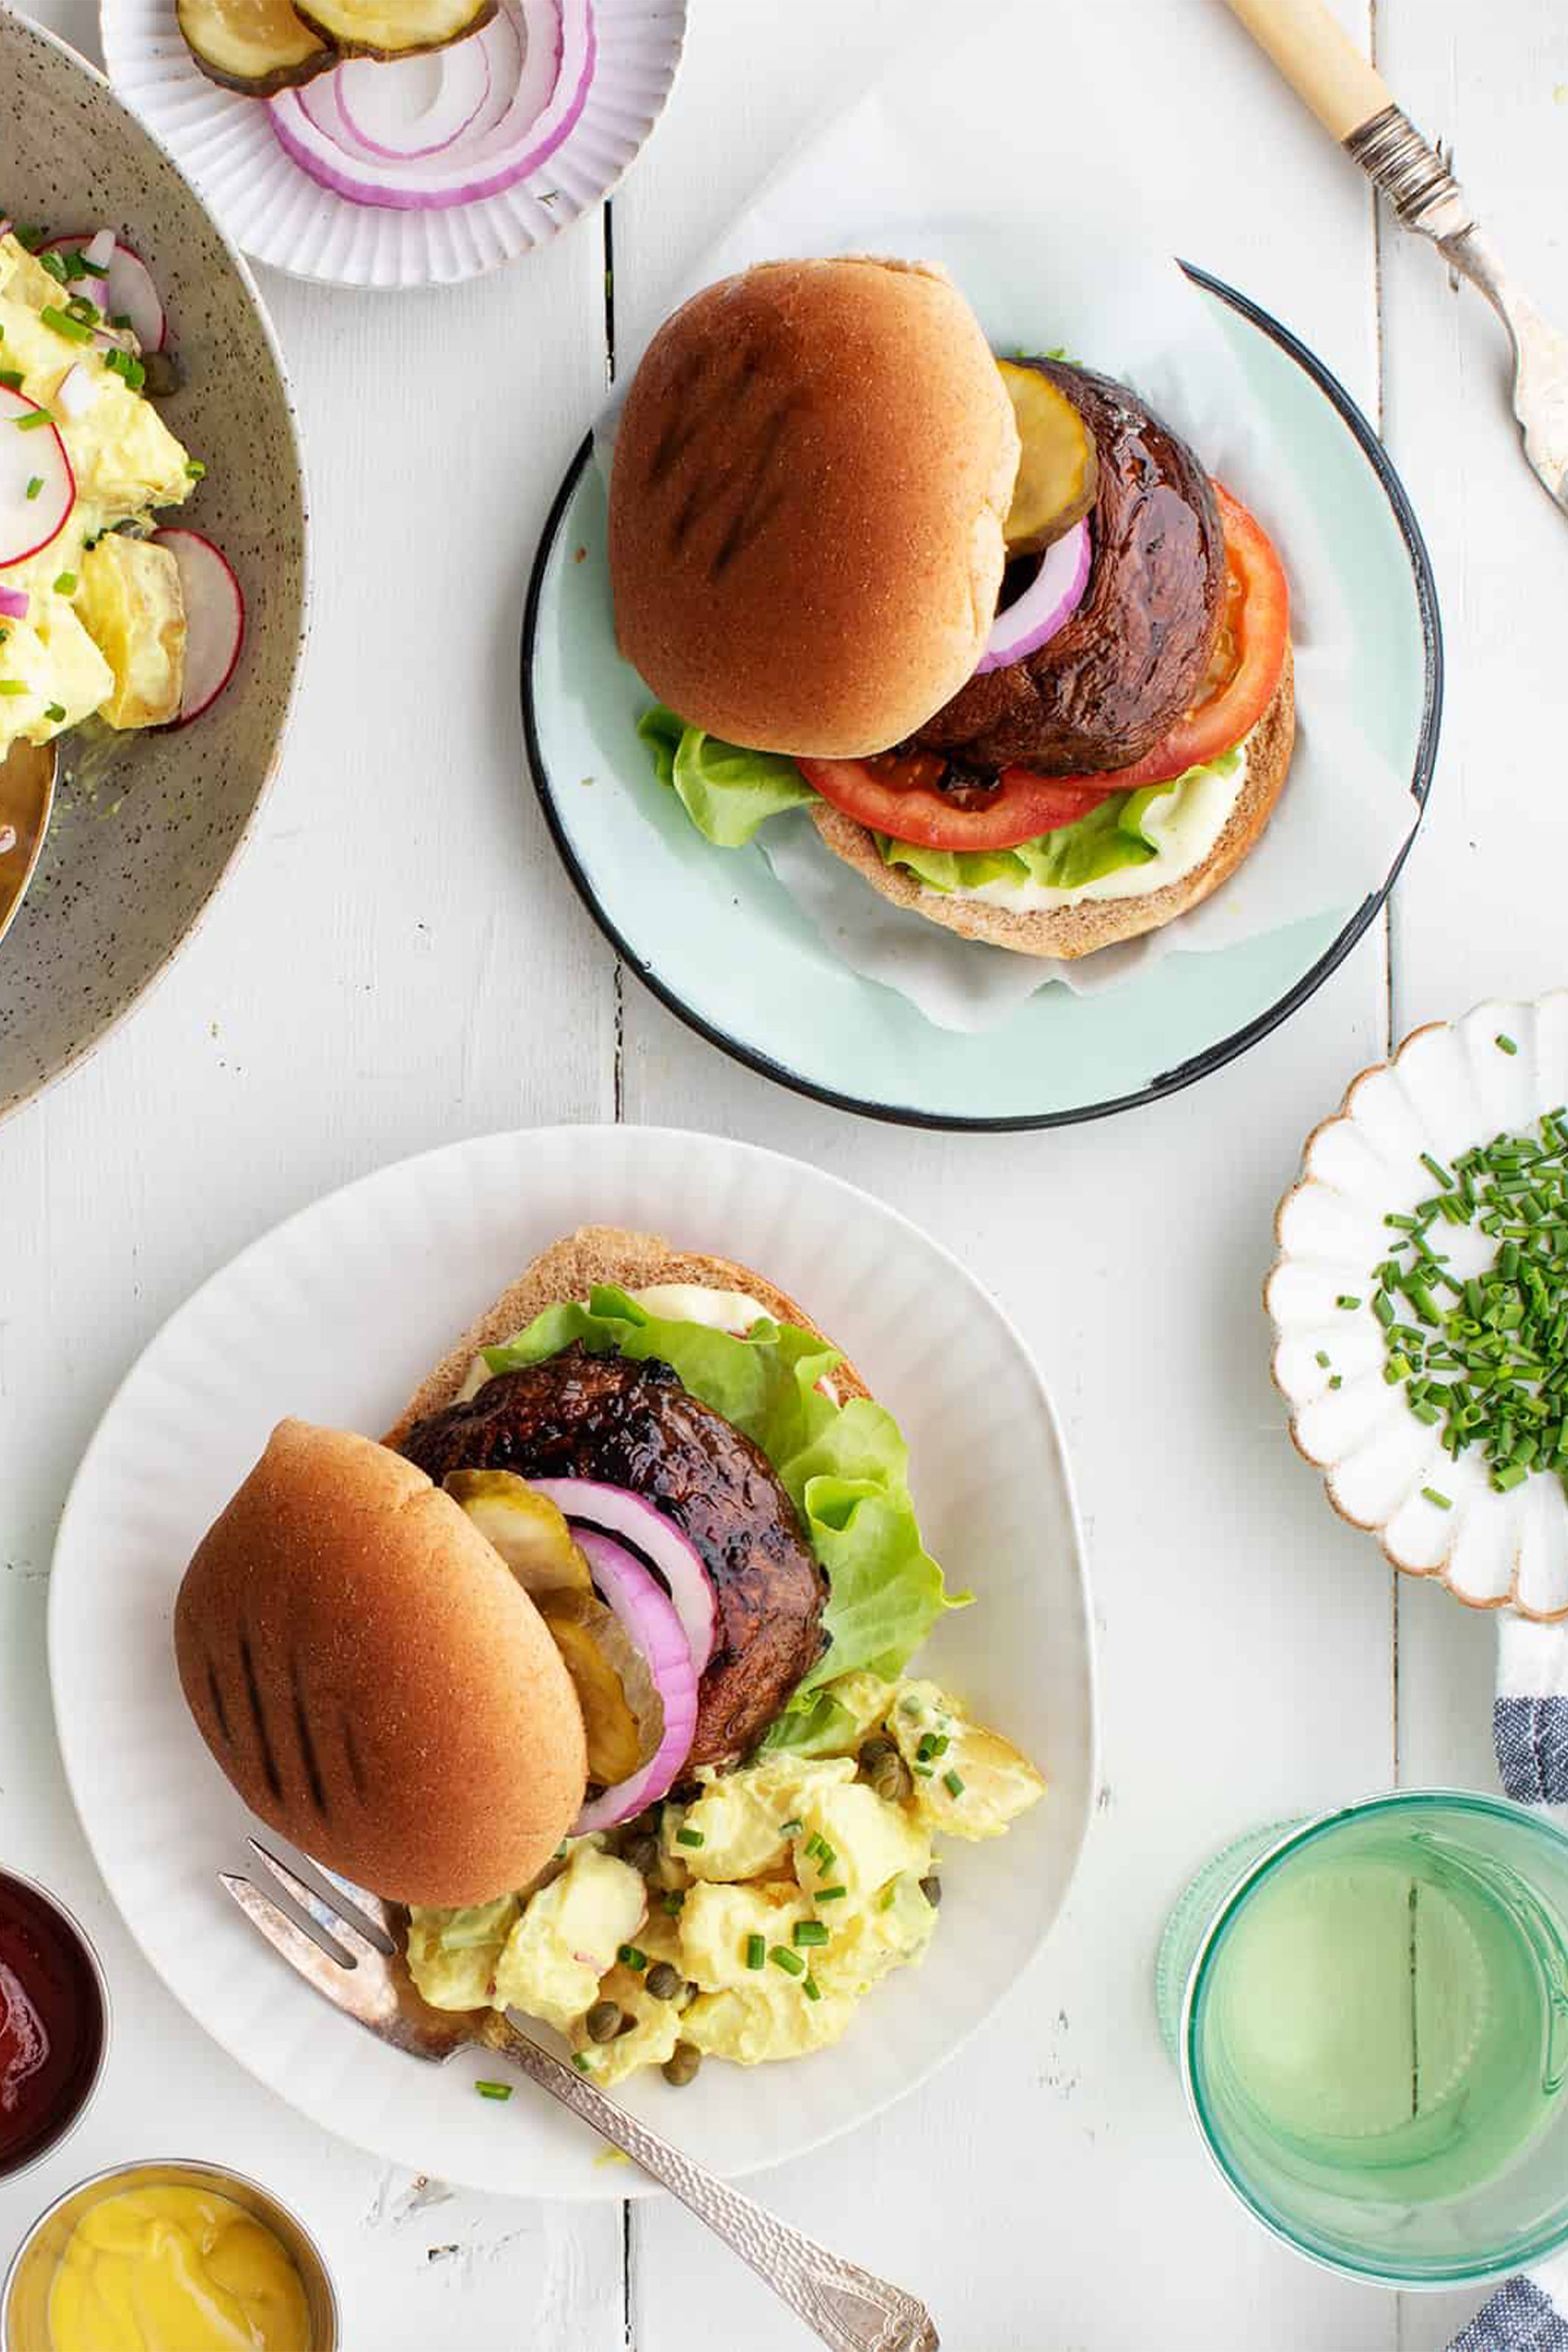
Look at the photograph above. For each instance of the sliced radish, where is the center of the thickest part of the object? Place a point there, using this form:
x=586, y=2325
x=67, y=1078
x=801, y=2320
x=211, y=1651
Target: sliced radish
x=541, y=69
x=31, y=454
x=588, y=1506
x=648, y=1616
x=418, y=106
x=127, y=292
x=215, y=619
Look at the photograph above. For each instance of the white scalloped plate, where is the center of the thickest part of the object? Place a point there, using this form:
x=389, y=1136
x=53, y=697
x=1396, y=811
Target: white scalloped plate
x=1449, y=1086
x=335, y=1315
x=279, y=215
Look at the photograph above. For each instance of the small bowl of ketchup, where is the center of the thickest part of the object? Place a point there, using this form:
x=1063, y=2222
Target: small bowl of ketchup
x=54, y=2022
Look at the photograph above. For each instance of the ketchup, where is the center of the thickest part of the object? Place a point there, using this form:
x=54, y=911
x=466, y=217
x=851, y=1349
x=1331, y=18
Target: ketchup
x=51, y=2022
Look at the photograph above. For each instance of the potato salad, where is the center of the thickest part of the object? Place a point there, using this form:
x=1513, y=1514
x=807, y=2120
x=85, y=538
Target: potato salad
x=749, y=1914
x=93, y=620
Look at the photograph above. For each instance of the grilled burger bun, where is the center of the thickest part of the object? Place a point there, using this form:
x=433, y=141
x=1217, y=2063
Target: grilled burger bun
x=1077, y=929
x=373, y=1680
x=633, y=1425
x=811, y=477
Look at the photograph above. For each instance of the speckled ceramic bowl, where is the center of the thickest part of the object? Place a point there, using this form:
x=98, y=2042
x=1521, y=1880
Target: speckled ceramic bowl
x=1450, y=1086
x=130, y=864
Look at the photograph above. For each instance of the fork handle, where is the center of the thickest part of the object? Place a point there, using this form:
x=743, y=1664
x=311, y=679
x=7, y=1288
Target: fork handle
x=845, y=2306
x=1319, y=60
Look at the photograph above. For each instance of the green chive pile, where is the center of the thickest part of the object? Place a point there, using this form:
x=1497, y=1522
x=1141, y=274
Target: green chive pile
x=1488, y=1361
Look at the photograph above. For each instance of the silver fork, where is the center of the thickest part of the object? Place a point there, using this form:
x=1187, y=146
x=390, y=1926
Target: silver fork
x=1356, y=105
x=365, y=1976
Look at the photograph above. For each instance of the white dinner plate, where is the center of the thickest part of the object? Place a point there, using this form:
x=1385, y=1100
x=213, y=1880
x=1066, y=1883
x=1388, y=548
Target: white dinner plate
x=225, y=145
x=336, y=1315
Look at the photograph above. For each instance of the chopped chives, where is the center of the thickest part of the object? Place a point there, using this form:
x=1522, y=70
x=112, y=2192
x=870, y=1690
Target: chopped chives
x=790, y=1962
x=807, y=1932
x=11, y=377
x=582, y=2062
x=1505, y=1044
x=1335, y=1381
x=35, y=486
x=1443, y=1502
x=14, y=686
x=632, y=1956
x=1324, y=1358
x=55, y=713
x=685, y=1836
x=830, y=1894
x=493, y=2090
x=33, y=420
x=65, y=584
x=196, y=469
x=950, y=1782
x=811, y=1990
x=672, y=1901
x=63, y=324
x=756, y=1950
x=1345, y=1301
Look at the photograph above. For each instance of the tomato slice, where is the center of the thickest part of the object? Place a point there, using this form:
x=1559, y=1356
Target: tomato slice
x=1254, y=632
x=899, y=796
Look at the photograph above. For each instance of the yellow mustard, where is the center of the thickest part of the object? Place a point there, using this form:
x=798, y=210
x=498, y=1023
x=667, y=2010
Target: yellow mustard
x=175, y=2270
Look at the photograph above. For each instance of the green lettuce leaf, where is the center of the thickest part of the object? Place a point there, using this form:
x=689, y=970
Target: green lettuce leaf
x=1110, y=837
x=845, y=1468
x=726, y=792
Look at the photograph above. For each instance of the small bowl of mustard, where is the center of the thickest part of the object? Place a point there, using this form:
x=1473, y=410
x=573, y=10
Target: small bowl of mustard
x=193, y=2244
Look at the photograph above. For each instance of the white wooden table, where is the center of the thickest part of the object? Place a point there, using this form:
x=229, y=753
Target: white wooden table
x=400, y=961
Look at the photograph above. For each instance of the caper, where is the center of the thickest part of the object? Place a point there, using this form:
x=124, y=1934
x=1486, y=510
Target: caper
x=890, y=1778
x=641, y=1851
x=604, y=2021
x=686, y=1995
x=164, y=375
x=931, y=1888
x=682, y=2064
x=627, y=2026
x=663, y=1981
x=685, y=1792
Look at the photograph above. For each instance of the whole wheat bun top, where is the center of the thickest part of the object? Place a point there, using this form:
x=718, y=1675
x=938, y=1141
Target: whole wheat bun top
x=811, y=477
x=373, y=1680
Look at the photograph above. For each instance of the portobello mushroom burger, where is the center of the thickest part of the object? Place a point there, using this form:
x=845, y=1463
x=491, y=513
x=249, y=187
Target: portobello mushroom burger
x=990, y=620
x=599, y=1665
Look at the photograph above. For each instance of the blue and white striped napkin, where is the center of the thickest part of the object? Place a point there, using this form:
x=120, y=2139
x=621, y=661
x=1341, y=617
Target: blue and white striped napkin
x=1530, y=1729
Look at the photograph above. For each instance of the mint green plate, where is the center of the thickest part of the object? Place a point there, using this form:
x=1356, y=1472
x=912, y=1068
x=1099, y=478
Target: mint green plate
x=721, y=943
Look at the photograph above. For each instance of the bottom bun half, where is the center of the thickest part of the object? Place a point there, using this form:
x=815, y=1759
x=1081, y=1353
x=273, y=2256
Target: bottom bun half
x=1078, y=930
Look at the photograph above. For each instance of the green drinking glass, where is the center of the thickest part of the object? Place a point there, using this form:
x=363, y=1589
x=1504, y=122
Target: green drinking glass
x=1370, y=2011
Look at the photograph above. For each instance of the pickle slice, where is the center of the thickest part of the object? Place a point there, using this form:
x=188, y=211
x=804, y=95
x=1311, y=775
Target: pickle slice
x=1058, y=464
x=256, y=47
x=389, y=29
x=528, y=1531
x=623, y=1713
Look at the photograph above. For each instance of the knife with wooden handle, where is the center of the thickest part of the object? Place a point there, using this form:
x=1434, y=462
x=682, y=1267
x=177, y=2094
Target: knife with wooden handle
x=1356, y=106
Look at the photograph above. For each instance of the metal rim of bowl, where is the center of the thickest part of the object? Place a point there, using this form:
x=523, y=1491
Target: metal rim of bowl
x=62, y=1912
x=174, y=2167
x=1210, y=1058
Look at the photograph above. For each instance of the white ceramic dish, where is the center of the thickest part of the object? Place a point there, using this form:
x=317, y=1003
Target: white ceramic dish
x=1449, y=1086
x=279, y=215
x=335, y=1316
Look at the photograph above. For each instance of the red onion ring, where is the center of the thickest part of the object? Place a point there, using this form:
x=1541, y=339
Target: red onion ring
x=586, y=1504
x=1051, y=598
x=14, y=603
x=442, y=94
x=555, y=71
x=650, y=1620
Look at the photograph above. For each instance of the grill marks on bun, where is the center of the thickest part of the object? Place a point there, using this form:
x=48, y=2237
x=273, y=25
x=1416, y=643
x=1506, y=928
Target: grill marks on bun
x=373, y=1680
x=811, y=473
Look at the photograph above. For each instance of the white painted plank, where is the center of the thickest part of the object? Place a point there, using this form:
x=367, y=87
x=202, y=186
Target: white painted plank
x=1480, y=909
x=1048, y=2186
x=396, y=962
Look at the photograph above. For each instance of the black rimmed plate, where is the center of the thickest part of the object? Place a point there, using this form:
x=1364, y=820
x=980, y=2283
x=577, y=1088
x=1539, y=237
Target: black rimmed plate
x=722, y=944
